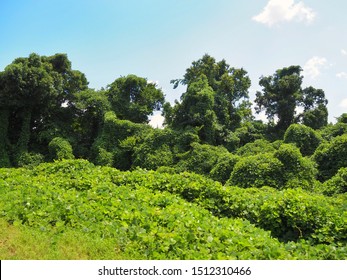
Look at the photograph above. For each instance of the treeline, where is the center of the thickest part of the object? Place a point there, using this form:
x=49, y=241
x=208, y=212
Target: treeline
x=48, y=112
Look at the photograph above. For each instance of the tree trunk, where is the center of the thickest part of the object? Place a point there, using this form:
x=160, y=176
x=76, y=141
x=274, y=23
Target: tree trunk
x=4, y=142
x=24, y=136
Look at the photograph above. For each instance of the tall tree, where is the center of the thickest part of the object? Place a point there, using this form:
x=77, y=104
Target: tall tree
x=282, y=95
x=31, y=90
x=230, y=85
x=315, y=113
x=228, y=96
x=89, y=107
x=196, y=110
x=134, y=98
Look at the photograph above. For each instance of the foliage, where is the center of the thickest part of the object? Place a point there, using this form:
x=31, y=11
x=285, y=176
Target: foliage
x=134, y=98
x=257, y=171
x=182, y=210
x=201, y=158
x=333, y=130
x=142, y=224
x=160, y=148
x=331, y=156
x=139, y=213
x=297, y=171
x=216, y=99
x=59, y=148
x=88, y=107
x=257, y=147
x=30, y=159
x=104, y=157
x=222, y=170
x=282, y=94
x=337, y=184
x=305, y=138
x=263, y=165
x=342, y=118
x=196, y=110
x=250, y=131
x=315, y=114
x=116, y=141
x=32, y=92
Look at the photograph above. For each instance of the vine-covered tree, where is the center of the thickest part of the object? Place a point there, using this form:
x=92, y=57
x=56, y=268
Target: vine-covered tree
x=282, y=95
x=196, y=110
x=32, y=91
x=134, y=98
x=228, y=96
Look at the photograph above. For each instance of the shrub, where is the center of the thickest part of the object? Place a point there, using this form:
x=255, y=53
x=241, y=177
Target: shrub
x=257, y=147
x=117, y=138
x=337, y=184
x=257, y=171
x=331, y=131
x=297, y=170
x=330, y=157
x=159, y=157
x=304, y=137
x=104, y=158
x=250, y=132
x=201, y=158
x=30, y=159
x=155, y=149
x=222, y=170
x=59, y=148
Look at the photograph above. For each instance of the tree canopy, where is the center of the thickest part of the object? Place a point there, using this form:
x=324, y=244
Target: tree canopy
x=134, y=98
x=216, y=99
x=282, y=95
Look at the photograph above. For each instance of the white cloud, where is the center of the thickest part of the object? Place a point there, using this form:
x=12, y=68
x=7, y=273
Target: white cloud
x=156, y=83
x=343, y=103
x=342, y=75
x=313, y=66
x=156, y=121
x=284, y=11
x=343, y=52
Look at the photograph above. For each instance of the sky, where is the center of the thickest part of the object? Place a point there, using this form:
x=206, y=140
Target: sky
x=159, y=39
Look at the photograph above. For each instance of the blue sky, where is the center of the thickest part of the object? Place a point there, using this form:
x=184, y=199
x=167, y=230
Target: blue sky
x=159, y=39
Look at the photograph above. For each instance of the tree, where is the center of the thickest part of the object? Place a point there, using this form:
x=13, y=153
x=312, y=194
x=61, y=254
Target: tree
x=32, y=92
x=315, y=113
x=88, y=107
x=134, y=98
x=337, y=184
x=201, y=158
x=115, y=143
x=26, y=86
x=281, y=96
x=196, y=110
x=342, y=118
x=228, y=97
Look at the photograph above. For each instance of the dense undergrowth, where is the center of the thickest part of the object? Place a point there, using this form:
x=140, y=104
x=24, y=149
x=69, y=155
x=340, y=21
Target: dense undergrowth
x=72, y=209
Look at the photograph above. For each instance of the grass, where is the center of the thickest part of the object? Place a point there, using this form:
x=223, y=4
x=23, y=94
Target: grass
x=18, y=242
